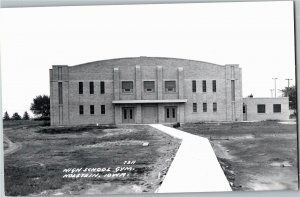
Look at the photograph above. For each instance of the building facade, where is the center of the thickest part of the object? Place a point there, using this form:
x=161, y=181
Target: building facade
x=145, y=90
x=258, y=109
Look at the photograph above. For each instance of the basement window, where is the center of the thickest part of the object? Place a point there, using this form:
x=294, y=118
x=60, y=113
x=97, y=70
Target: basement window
x=92, y=109
x=194, y=107
x=204, y=107
x=81, y=109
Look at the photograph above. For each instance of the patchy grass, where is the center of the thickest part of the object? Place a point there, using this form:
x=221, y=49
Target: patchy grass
x=253, y=155
x=37, y=166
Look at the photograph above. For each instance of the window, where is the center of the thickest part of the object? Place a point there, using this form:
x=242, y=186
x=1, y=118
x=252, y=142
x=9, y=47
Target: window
x=102, y=109
x=244, y=109
x=203, y=86
x=204, y=107
x=91, y=87
x=149, y=86
x=60, y=93
x=194, y=107
x=80, y=109
x=127, y=86
x=215, y=107
x=92, y=109
x=102, y=87
x=194, y=86
x=214, y=85
x=276, y=108
x=261, y=108
x=80, y=88
x=170, y=86
x=232, y=90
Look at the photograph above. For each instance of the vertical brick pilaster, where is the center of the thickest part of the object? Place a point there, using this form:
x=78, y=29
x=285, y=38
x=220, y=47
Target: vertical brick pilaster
x=159, y=82
x=138, y=83
x=180, y=83
x=116, y=84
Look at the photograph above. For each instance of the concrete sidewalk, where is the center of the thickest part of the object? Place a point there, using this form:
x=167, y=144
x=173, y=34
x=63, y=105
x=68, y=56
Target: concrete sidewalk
x=195, y=167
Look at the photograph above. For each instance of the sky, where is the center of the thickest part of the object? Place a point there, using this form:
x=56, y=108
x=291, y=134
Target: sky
x=259, y=36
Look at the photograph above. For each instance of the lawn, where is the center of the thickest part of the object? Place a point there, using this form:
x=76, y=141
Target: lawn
x=254, y=155
x=39, y=156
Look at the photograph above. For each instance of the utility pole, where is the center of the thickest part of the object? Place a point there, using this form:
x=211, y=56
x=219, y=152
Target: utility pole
x=289, y=82
x=275, y=85
x=271, y=92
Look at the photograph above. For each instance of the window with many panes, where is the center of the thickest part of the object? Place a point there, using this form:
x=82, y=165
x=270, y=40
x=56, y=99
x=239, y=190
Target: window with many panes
x=102, y=109
x=102, y=87
x=149, y=86
x=80, y=109
x=215, y=107
x=91, y=87
x=194, y=86
x=170, y=86
x=194, y=107
x=204, y=107
x=214, y=85
x=127, y=86
x=261, y=108
x=276, y=108
x=92, y=109
x=204, y=86
x=80, y=87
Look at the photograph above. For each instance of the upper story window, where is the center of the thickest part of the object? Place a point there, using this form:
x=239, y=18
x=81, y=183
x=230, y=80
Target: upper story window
x=214, y=85
x=102, y=87
x=127, y=86
x=170, y=86
x=261, y=108
x=194, y=86
x=80, y=87
x=149, y=86
x=204, y=86
x=91, y=87
x=276, y=108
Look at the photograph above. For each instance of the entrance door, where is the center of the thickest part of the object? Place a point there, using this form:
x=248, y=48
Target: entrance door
x=127, y=115
x=171, y=114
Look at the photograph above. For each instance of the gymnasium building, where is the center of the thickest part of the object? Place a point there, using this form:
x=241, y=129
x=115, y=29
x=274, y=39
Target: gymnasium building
x=143, y=90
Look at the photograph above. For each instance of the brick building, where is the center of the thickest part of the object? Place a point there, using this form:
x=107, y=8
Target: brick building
x=145, y=90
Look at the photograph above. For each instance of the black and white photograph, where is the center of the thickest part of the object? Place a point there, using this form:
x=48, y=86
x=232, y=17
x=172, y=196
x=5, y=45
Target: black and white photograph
x=149, y=98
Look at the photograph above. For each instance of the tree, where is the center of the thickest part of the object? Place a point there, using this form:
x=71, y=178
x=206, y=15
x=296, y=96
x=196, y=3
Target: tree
x=291, y=92
x=25, y=116
x=41, y=106
x=6, y=116
x=16, y=116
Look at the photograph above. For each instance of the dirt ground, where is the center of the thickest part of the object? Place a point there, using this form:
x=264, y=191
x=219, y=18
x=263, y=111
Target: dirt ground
x=255, y=156
x=36, y=156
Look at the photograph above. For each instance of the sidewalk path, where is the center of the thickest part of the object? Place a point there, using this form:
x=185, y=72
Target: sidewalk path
x=195, y=167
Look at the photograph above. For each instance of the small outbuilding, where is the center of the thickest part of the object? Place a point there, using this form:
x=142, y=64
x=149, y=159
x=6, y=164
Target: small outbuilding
x=258, y=109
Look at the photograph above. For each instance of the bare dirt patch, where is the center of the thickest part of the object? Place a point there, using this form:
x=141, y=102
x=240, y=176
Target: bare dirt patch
x=37, y=168
x=254, y=155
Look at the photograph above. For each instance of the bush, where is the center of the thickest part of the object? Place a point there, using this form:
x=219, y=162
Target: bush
x=176, y=125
